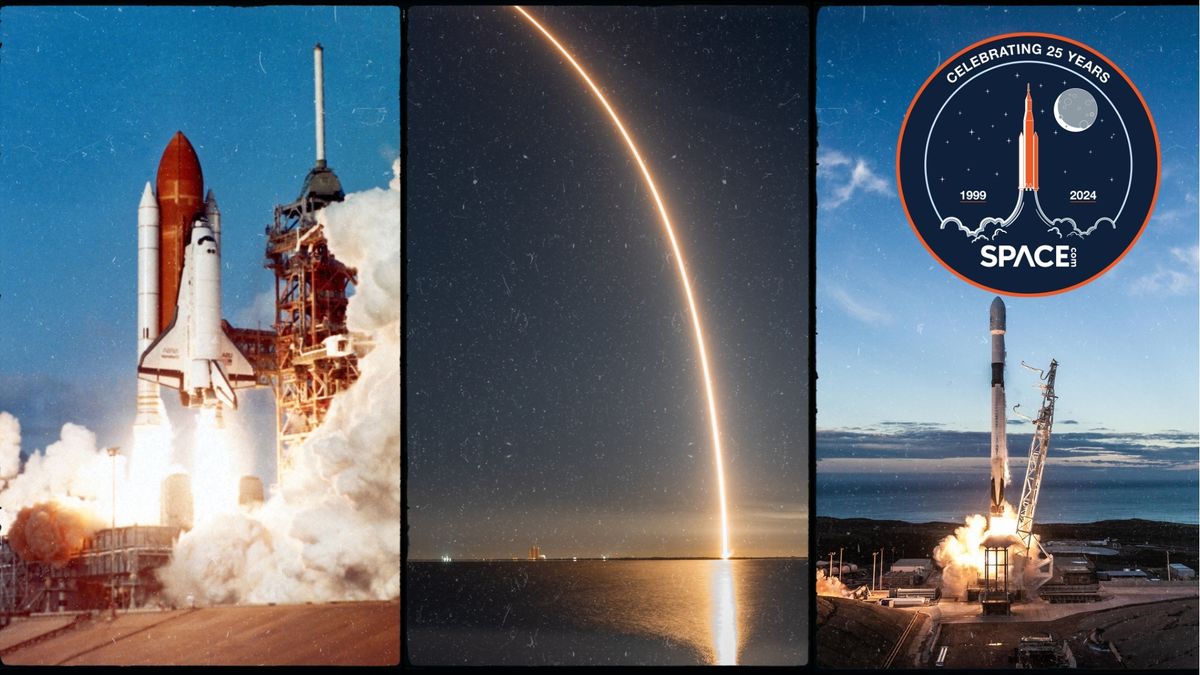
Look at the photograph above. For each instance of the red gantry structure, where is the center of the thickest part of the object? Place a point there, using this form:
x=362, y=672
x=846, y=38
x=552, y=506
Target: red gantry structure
x=314, y=360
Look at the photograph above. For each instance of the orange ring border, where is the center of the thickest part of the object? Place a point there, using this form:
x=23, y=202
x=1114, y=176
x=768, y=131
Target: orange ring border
x=1157, y=168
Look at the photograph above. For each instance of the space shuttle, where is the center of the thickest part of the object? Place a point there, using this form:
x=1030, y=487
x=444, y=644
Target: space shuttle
x=193, y=353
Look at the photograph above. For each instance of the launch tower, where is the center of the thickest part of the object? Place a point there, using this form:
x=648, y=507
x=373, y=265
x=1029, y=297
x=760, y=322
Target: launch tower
x=313, y=359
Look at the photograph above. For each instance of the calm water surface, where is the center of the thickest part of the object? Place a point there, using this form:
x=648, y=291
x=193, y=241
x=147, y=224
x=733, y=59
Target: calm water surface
x=1066, y=497
x=613, y=612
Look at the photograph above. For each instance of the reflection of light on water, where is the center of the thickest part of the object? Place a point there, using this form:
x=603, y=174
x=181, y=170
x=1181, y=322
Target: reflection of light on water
x=724, y=614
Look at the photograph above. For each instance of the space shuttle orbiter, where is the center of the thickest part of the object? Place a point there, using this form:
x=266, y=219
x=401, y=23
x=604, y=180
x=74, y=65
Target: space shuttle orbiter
x=194, y=354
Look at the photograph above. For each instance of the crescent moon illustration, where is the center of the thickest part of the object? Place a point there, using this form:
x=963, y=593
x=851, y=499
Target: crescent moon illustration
x=1075, y=110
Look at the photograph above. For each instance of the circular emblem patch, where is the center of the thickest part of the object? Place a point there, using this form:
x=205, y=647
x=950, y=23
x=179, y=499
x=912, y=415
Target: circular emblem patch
x=1028, y=164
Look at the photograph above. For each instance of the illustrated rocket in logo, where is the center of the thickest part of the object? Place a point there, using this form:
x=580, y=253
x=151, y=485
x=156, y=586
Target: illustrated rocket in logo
x=1027, y=149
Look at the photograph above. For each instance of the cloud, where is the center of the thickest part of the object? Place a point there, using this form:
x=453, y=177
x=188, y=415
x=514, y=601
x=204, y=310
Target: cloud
x=260, y=313
x=917, y=448
x=855, y=307
x=841, y=176
x=905, y=465
x=1176, y=279
x=1178, y=178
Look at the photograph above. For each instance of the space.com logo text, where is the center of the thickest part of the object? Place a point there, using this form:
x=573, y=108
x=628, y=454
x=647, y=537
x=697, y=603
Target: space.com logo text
x=1006, y=255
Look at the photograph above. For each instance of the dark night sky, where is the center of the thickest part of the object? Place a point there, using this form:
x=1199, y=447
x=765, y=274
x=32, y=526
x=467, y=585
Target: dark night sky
x=553, y=390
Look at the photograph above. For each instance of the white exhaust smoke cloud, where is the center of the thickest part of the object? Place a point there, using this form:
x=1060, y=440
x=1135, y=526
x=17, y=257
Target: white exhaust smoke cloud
x=332, y=530
x=10, y=448
x=832, y=586
x=961, y=554
x=71, y=472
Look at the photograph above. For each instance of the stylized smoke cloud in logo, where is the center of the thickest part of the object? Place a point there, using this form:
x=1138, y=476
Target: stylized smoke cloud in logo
x=1076, y=232
x=1055, y=225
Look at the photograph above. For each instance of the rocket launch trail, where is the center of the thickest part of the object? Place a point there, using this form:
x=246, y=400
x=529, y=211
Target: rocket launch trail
x=999, y=459
x=709, y=387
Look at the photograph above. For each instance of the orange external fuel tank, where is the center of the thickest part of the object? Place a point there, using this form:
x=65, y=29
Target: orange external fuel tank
x=180, y=188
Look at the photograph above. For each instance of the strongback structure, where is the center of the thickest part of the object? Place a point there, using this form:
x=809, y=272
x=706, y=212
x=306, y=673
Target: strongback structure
x=313, y=358
x=1037, y=565
x=995, y=596
x=1039, y=446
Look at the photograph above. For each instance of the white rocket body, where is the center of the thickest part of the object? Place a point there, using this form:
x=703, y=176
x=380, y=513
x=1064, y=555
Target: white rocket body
x=194, y=354
x=999, y=456
x=149, y=403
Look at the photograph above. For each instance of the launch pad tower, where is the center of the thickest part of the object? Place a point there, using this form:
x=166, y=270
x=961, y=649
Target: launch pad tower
x=313, y=358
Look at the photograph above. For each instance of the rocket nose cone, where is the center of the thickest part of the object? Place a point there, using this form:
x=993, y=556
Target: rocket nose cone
x=179, y=145
x=148, y=198
x=179, y=174
x=997, y=314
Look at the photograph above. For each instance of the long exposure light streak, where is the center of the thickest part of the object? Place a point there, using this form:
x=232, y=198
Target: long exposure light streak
x=709, y=388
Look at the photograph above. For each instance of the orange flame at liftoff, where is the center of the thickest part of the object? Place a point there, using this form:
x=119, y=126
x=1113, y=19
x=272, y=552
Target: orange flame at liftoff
x=709, y=389
x=52, y=532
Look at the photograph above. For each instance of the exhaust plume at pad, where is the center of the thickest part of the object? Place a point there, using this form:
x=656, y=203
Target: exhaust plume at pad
x=961, y=555
x=332, y=529
x=72, y=472
x=52, y=533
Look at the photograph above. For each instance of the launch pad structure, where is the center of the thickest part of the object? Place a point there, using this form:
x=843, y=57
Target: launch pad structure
x=309, y=357
x=115, y=565
x=314, y=359
x=995, y=597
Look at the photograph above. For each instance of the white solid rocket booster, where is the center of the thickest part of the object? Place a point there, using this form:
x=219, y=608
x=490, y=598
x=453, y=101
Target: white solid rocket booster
x=149, y=403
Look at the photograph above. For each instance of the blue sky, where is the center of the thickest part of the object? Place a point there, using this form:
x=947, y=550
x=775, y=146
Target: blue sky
x=89, y=97
x=901, y=340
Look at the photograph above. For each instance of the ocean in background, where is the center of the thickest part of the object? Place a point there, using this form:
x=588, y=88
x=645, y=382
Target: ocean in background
x=1071, y=496
x=616, y=612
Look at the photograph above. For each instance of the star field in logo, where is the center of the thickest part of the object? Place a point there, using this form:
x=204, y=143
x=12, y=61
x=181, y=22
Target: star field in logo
x=1028, y=164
